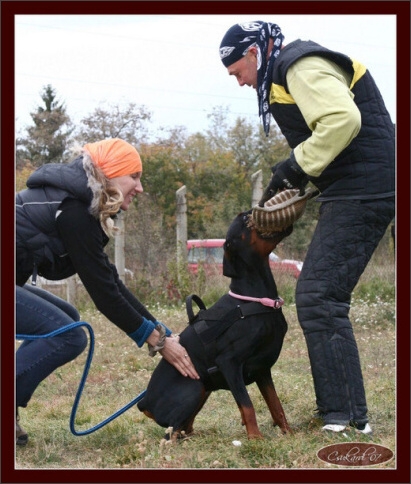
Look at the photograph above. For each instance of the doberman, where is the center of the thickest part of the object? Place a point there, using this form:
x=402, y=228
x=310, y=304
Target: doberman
x=232, y=344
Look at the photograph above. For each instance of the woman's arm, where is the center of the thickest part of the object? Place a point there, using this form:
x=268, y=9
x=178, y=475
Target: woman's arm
x=84, y=241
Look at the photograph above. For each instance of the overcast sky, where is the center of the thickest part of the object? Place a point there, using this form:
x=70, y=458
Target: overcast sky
x=170, y=63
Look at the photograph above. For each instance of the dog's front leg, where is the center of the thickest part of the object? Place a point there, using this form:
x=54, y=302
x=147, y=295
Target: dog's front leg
x=266, y=385
x=249, y=419
x=234, y=377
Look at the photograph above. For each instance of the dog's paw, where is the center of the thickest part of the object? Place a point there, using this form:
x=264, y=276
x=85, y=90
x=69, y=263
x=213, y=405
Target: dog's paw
x=255, y=436
x=176, y=436
x=285, y=429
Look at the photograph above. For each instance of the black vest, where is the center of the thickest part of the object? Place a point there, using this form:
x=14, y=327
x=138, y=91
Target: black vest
x=366, y=168
x=39, y=248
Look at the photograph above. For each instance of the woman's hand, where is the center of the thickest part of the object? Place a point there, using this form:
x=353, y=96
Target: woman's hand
x=175, y=354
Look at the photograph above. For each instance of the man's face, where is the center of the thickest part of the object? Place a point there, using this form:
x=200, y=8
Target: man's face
x=245, y=69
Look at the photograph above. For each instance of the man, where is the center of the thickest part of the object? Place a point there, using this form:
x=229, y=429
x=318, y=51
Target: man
x=331, y=112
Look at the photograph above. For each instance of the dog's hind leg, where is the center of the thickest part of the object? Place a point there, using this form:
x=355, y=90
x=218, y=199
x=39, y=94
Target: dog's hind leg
x=266, y=386
x=189, y=424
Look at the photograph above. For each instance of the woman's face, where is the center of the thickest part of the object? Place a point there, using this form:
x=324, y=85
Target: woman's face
x=129, y=185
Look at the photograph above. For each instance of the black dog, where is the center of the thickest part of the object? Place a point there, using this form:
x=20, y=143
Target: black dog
x=232, y=344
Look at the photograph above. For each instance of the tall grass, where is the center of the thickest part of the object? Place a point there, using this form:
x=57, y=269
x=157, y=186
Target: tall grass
x=120, y=371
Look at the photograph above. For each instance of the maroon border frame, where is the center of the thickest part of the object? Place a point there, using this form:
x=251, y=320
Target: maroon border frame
x=399, y=8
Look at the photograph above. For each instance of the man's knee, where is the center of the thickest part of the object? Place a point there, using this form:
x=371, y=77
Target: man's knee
x=318, y=309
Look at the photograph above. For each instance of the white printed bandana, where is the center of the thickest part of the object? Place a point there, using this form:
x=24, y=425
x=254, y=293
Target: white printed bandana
x=235, y=44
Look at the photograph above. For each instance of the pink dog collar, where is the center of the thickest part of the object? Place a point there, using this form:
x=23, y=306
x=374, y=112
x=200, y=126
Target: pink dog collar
x=265, y=301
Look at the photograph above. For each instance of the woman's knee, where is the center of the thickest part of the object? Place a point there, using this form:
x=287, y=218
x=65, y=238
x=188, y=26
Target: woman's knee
x=79, y=339
x=75, y=342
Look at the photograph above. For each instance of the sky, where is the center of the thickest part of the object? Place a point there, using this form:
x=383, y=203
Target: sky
x=170, y=63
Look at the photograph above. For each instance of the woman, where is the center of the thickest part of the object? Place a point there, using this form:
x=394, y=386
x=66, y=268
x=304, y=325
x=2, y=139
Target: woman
x=63, y=222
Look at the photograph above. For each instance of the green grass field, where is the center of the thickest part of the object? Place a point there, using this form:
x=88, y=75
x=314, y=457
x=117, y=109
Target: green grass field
x=120, y=371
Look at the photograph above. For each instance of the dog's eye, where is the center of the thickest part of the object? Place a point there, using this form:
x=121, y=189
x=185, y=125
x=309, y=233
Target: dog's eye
x=245, y=218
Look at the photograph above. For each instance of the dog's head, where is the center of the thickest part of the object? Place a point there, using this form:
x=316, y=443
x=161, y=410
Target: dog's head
x=244, y=246
x=254, y=234
x=281, y=211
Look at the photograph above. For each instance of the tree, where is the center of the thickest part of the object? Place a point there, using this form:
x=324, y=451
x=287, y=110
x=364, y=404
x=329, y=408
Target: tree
x=244, y=143
x=217, y=133
x=273, y=148
x=46, y=141
x=115, y=122
x=22, y=174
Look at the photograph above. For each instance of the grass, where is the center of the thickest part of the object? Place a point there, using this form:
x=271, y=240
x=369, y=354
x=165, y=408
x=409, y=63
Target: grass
x=120, y=371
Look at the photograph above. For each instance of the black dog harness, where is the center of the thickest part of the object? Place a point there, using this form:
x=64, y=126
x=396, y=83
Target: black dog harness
x=209, y=324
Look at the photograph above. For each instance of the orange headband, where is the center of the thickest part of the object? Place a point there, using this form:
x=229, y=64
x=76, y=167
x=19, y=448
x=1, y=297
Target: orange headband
x=114, y=157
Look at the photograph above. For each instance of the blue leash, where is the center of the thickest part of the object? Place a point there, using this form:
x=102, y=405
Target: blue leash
x=83, y=378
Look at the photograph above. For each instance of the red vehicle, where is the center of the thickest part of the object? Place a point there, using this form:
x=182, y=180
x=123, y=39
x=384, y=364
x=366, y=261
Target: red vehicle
x=209, y=253
x=289, y=266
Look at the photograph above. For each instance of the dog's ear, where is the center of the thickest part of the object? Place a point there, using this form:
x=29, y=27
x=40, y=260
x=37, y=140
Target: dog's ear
x=234, y=245
x=229, y=266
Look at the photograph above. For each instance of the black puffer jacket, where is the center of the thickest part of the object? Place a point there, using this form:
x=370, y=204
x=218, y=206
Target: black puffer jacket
x=58, y=233
x=363, y=170
x=39, y=248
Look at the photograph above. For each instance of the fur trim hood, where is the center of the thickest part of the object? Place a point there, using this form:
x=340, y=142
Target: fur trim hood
x=76, y=178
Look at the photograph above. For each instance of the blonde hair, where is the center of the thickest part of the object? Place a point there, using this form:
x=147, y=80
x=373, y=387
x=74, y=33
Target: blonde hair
x=107, y=198
x=109, y=203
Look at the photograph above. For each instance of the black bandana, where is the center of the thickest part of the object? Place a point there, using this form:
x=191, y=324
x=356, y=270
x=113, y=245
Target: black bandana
x=235, y=44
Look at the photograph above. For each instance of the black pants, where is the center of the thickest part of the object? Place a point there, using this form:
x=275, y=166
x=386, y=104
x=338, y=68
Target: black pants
x=345, y=238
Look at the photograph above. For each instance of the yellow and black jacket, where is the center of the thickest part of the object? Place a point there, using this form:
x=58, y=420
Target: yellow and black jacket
x=365, y=169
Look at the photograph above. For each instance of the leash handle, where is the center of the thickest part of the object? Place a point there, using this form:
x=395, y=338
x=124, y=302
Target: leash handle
x=83, y=378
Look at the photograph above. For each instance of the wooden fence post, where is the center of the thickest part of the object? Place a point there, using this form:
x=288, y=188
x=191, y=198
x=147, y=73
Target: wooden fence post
x=71, y=289
x=257, y=184
x=181, y=216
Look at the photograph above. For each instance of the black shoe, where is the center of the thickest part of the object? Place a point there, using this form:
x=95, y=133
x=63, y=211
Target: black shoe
x=21, y=435
x=319, y=414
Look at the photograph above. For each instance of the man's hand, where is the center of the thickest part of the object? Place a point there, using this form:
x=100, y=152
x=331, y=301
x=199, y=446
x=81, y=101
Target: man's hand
x=286, y=174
